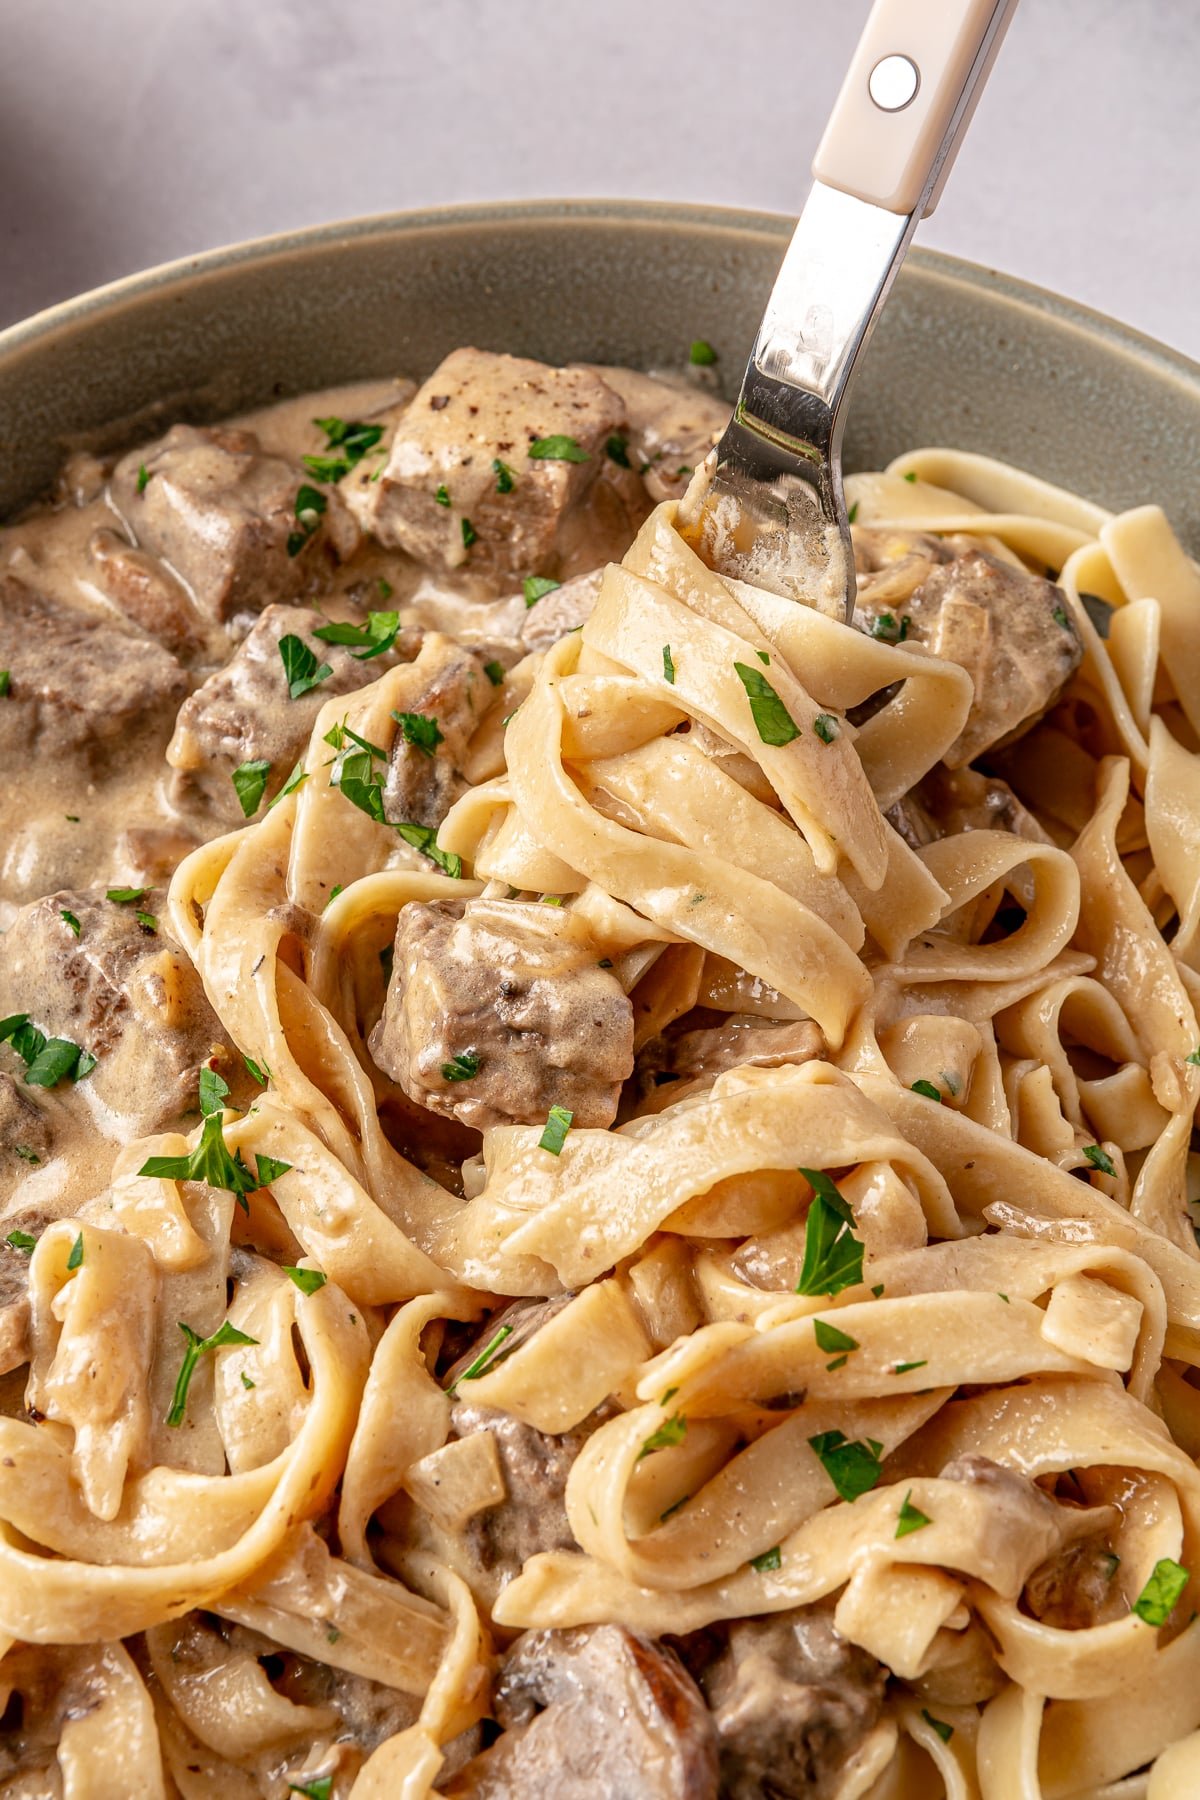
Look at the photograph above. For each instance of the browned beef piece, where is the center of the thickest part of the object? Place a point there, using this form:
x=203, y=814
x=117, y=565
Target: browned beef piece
x=792, y=1701
x=594, y=1714
x=949, y=801
x=450, y=686
x=145, y=591
x=535, y=1467
x=244, y=712
x=78, y=685
x=672, y=426
x=220, y=513
x=24, y=1124
x=568, y=607
x=30, y=1221
x=1011, y=632
x=1075, y=1589
x=125, y=993
x=477, y=409
x=742, y=1040
x=502, y=985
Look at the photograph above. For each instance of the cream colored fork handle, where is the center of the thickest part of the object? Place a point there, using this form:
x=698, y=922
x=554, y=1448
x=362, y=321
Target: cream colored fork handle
x=893, y=150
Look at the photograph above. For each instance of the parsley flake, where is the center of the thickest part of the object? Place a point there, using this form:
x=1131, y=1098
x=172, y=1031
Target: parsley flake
x=486, y=1357
x=1194, y=1056
x=617, y=450
x=557, y=448
x=701, y=355
x=250, y=784
x=536, y=587
x=826, y=727
x=902, y=1368
x=300, y=666
x=246, y=1381
x=944, y=1731
x=887, y=629
x=830, y=1338
x=26, y=1154
x=911, y=476
x=927, y=1090
x=297, y=778
x=668, y=665
x=557, y=1126
x=196, y=1348
x=424, y=839
x=21, y=1240
x=1099, y=1159
x=772, y=719
x=213, y=1090
x=209, y=1162
x=307, y=1280
x=460, y=1068
x=371, y=639
x=56, y=1060
x=310, y=505
x=1156, y=1602
x=506, y=481
x=769, y=1561
x=75, y=1255
x=672, y=1431
x=269, y=1168
x=833, y=1256
x=143, y=476
x=441, y=495
x=852, y=514
x=69, y=919
x=494, y=672
x=911, y=1518
x=124, y=896
x=260, y=1071
x=318, y=1789
x=469, y=533
x=853, y=1467
x=419, y=730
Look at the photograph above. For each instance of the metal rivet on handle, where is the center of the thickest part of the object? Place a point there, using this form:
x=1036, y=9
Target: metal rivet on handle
x=893, y=83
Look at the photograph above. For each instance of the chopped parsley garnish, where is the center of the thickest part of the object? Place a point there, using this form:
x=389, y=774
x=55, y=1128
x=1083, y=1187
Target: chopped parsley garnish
x=772, y=719
x=853, y=1467
x=877, y=1292
x=419, y=730
x=839, y=1362
x=246, y=1380
x=310, y=504
x=833, y=1256
x=911, y=476
x=441, y=495
x=209, y=1162
x=307, y=1280
x=196, y=1348
x=337, y=888
x=300, y=666
x=903, y=1368
x=557, y=1126
x=829, y=1338
x=768, y=1561
x=944, y=1731
x=617, y=450
x=763, y=657
x=213, y=1090
x=353, y=439
x=927, y=1090
x=297, y=778
x=1156, y=1602
x=701, y=355
x=486, y=1356
x=506, y=481
x=826, y=727
x=124, y=896
x=386, y=590
x=886, y=628
x=5, y=683
x=424, y=839
x=326, y=468
x=536, y=587
x=371, y=639
x=911, y=1518
x=260, y=1071
x=668, y=1396
x=75, y=1256
x=672, y=1431
x=148, y=922
x=21, y=1240
x=1099, y=1159
x=494, y=672
x=69, y=919
x=26, y=1154
x=557, y=448
x=1193, y=1056
x=269, y=1169
x=460, y=1068
x=668, y=665
x=250, y=784
x=469, y=533
x=320, y=1788
x=143, y=476
x=852, y=514
x=47, y=1060
x=1060, y=618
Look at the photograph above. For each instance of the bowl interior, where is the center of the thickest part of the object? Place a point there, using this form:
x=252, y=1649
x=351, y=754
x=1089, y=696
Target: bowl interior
x=961, y=357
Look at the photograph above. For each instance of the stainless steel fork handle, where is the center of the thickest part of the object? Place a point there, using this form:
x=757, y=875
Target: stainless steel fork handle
x=906, y=101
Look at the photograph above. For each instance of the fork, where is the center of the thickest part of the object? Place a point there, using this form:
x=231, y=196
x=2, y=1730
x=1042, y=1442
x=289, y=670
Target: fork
x=768, y=506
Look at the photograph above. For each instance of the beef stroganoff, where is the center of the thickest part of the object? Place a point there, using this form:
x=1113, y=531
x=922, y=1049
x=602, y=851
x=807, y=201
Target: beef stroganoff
x=597, y=1165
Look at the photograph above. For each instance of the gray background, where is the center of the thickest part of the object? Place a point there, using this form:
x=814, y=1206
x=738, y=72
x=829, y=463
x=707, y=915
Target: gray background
x=134, y=131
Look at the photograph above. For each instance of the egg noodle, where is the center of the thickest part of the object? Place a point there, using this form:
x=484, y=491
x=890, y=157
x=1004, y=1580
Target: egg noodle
x=999, y=1133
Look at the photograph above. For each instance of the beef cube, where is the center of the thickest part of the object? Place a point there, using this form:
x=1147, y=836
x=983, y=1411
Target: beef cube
x=221, y=514
x=244, y=713
x=28, y=1222
x=448, y=685
x=145, y=590
x=672, y=426
x=25, y=1130
x=535, y=1466
x=503, y=989
x=1011, y=632
x=78, y=685
x=596, y=1713
x=119, y=989
x=949, y=801
x=475, y=410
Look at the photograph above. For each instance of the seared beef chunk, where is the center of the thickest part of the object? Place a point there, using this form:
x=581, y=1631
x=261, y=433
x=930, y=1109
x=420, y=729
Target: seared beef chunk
x=742, y=1040
x=792, y=1701
x=1075, y=1589
x=450, y=687
x=672, y=426
x=949, y=801
x=535, y=1467
x=124, y=992
x=30, y=1221
x=221, y=514
x=244, y=713
x=25, y=1131
x=145, y=591
x=594, y=1714
x=496, y=1012
x=1010, y=630
x=78, y=686
x=568, y=607
x=475, y=410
